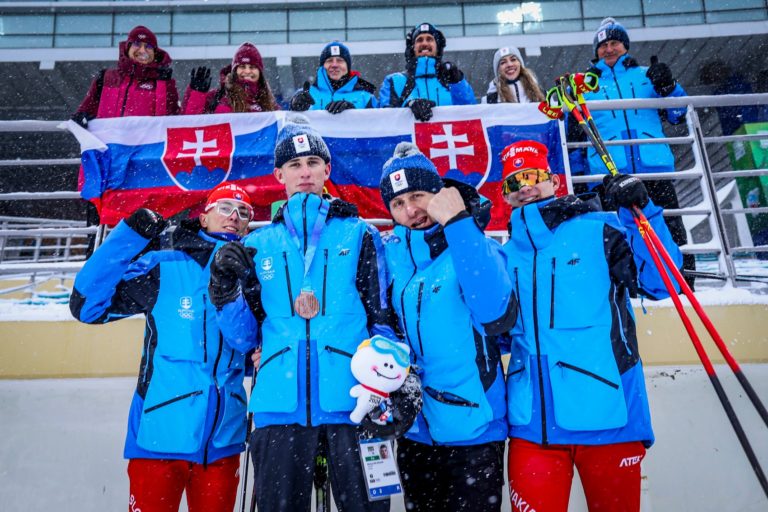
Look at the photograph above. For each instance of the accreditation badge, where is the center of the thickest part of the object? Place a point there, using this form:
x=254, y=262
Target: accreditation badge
x=382, y=478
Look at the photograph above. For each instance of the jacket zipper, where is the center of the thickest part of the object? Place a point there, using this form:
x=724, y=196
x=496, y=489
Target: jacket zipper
x=273, y=356
x=448, y=398
x=588, y=373
x=288, y=284
x=618, y=318
x=335, y=350
x=125, y=98
x=402, y=293
x=517, y=291
x=418, y=316
x=172, y=400
x=626, y=122
x=325, y=277
x=552, y=298
x=536, y=332
x=218, y=398
x=308, y=342
x=205, y=330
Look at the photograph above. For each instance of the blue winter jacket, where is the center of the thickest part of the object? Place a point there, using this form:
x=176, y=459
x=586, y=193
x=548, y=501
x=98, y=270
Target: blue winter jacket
x=575, y=374
x=626, y=79
x=399, y=88
x=453, y=298
x=357, y=91
x=304, y=377
x=189, y=402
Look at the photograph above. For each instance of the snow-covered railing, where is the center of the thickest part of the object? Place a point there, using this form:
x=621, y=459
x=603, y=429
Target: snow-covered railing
x=69, y=237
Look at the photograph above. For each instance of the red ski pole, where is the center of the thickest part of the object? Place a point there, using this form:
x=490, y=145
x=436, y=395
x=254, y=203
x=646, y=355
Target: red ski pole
x=647, y=234
x=732, y=363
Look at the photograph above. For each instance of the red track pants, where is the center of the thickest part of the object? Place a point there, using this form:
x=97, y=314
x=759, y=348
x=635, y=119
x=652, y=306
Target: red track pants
x=157, y=485
x=540, y=476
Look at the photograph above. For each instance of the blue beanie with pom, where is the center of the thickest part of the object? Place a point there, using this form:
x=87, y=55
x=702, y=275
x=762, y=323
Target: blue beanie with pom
x=297, y=138
x=408, y=171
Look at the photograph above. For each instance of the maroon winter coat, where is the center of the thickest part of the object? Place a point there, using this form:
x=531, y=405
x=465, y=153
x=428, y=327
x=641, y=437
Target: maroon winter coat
x=216, y=101
x=133, y=89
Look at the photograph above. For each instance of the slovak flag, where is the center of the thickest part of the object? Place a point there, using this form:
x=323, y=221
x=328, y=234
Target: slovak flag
x=169, y=164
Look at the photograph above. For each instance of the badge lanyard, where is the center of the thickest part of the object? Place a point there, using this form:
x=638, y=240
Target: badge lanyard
x=306, y=304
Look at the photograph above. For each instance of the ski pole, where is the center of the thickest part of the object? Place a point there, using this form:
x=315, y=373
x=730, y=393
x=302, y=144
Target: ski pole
x=655, y=247
x=577, y=85
x=732, y=363
x=646, y=233
x=247, y=449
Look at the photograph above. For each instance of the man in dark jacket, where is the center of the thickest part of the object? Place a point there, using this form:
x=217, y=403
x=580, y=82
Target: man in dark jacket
x=187, y=422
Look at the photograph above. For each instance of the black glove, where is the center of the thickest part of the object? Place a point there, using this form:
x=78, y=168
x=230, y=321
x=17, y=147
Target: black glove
x=337, y=107
x=232, y=265
x=147, y=223
x=661, y=77
x=302, y=100
x=449, y=73
x=422, y=109
x=405, y=404
x=200, y=79
x=624, y=190
x=82, y=118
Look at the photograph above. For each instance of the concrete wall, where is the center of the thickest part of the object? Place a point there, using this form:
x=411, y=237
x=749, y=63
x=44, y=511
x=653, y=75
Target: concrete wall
x=71, y=349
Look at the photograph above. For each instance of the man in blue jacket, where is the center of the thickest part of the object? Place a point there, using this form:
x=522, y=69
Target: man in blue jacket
x=187, y=422
x=575, y=387
x=453, y=298
x=621, y=77
x=337, y=87
x=309, y=288
x=427, y=81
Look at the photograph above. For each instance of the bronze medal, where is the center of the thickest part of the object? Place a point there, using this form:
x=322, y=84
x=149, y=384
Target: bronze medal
x=306, y=305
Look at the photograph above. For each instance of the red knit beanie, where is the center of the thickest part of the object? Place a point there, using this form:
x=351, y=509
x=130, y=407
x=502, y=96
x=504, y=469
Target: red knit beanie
x=142, y=34
x=247, y=54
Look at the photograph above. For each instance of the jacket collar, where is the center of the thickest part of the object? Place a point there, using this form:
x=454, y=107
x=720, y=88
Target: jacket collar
x=536, y=223
x=426, y=67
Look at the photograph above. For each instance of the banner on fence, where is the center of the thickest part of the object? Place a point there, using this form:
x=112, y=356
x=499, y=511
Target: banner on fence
x=169, y=164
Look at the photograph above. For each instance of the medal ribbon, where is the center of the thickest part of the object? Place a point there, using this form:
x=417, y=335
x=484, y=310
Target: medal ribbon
x=314, y=238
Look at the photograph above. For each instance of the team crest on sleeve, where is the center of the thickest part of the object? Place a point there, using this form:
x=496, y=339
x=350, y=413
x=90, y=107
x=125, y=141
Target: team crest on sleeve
x=200, y=157
x=267, y=270
x=459, y=149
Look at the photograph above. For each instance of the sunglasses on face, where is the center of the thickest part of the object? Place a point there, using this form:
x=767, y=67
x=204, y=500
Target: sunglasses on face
x=146, y=46
x=521, y=179
x=226, y=209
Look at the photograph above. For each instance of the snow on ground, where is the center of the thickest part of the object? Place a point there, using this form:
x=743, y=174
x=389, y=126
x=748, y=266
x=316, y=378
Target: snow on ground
x=61, y=444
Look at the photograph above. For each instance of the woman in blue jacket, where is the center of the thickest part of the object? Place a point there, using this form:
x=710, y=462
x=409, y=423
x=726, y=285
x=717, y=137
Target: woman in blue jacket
x=453, y=297
x=575, y=387
x=187, y=422
x=337, y=87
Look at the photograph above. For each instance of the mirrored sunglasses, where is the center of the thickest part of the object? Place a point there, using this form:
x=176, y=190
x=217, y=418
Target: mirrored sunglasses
x=139, y=44
x=243, y=212
x=527, y=178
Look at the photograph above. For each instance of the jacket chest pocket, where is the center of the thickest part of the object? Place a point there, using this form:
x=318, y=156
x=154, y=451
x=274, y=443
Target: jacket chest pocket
x=280, y=281
x=334, y=278
x=574, y=295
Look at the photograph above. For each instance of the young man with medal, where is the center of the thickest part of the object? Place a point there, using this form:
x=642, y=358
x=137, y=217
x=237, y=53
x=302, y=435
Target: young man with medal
x=309, y=288
x=453, y=299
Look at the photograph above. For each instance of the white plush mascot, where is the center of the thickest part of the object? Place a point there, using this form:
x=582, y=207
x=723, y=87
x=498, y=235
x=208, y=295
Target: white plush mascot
x=380, y=366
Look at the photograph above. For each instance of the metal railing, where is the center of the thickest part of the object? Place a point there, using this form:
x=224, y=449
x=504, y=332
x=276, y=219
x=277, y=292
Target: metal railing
x=57, y=248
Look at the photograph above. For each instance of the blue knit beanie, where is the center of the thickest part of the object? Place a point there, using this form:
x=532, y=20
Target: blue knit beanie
x=408, y=171
x=610, y=30
x=336, y=49
x=297, y=138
